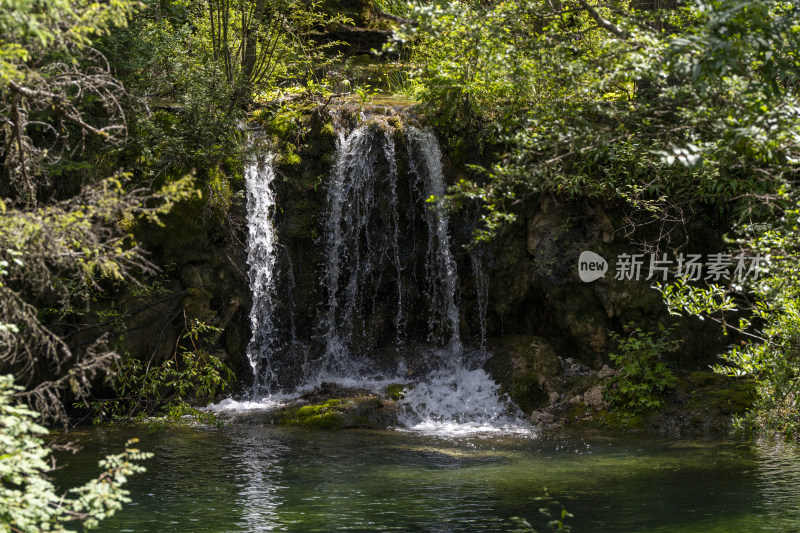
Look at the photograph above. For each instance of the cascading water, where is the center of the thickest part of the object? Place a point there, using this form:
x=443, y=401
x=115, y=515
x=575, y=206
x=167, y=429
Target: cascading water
x=425, y=160
x=459, y=396
x=481, y=280
x=389, y=284
x=261, y=260
x=362, y=246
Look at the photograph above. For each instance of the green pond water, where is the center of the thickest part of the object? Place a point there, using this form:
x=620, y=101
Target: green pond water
x=254, y=478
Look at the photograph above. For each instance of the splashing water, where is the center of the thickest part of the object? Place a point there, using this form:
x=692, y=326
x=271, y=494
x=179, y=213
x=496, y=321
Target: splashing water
x=459, y=400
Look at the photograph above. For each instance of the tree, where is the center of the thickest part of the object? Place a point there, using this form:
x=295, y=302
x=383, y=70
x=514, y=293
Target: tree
x=57, y=95
x=672, y=112
x=260, y=43
x=614, y=107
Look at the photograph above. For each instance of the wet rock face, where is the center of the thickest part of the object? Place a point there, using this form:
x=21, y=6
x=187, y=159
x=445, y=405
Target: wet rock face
x=202, y=263
x=594, y=398
x=535, y=285
x=522, y=365
x=535, y=303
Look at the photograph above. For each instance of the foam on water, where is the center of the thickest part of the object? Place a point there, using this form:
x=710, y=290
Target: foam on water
x=229, y=405
x=457, y=401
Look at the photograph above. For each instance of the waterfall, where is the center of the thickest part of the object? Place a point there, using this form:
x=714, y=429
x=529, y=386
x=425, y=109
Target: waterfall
x=389, y=285
x=481, y=280
x=362, y=244
x=458, y=397
x=261, y=259
x=388, y=147
x=425, y=160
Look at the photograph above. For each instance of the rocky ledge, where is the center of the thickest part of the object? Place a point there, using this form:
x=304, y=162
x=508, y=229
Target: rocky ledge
x=331, y=406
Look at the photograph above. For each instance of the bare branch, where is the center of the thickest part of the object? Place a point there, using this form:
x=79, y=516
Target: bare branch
x=603, y=23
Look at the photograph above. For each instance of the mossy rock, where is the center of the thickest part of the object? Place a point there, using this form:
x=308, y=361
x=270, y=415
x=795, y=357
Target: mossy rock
x=722, y=395
x=395, y=122
x=520, y=365
x=397, y=391
x=366, y=412
x=325, y=415
x=706, y=379
x=616, y=420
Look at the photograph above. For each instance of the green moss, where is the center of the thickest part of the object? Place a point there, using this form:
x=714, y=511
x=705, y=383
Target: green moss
x=325, y=415
x=289, y=157
x=526, y=392
x=576, y=411
x=324, y=421
x=520, y=365
x=395, y=122
x=706, y=379
x=327, y=130
x=736, y=398
x=397, y=391
x=336, y=413
x=616, y=420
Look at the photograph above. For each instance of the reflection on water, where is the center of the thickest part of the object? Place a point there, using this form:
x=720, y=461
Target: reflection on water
x=258, y=473
x=253, y=479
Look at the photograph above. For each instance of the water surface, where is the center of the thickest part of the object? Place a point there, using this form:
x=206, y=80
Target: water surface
x=252, y=478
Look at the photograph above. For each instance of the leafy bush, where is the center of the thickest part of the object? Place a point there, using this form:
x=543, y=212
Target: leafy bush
x=642, y=378
x=28, y=499
x=144, y=390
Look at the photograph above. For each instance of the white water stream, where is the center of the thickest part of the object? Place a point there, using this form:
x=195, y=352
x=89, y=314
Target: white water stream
x=261, y=260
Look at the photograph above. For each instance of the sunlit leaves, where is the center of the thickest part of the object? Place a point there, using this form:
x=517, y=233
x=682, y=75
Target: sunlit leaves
x=29, y=501
x=769, y=352
x=690, y=106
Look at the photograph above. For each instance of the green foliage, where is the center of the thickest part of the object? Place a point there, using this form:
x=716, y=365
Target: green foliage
x=30, y=27
x=769, y=353
x=400, y=8
x=642, y=378
x=397, y=391
x=194, y=68
x=677, y=110
x=28, y=499
x=465, y=60
x=145, y=390
x=58, y=98
x=671, y=110
x=8, y=329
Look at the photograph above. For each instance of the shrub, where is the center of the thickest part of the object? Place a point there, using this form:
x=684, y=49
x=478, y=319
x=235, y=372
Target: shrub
x=642, y=378
x=28, y=499
x=146, y=390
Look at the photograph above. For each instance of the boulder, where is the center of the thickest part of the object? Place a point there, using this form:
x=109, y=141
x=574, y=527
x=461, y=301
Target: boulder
x=521, y=365
x=594, y=398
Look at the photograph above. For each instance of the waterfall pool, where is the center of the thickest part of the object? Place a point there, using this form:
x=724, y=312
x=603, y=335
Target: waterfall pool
x=240, y=478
